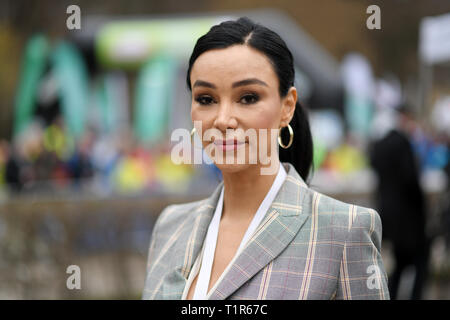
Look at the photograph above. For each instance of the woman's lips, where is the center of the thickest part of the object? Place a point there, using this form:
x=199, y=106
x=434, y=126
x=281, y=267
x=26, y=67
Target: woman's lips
x=229, y=144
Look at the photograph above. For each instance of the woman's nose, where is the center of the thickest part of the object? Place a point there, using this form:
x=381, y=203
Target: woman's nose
x=225, y=118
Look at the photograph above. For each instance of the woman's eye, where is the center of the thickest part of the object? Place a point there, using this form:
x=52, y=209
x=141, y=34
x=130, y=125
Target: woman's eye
x=249, y=99
x=204, y=100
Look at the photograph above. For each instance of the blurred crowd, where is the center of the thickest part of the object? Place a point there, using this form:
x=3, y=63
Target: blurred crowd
x=45, y=158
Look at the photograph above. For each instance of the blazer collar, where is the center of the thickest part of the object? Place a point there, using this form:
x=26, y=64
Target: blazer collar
x=280, y=225
x=283, y=220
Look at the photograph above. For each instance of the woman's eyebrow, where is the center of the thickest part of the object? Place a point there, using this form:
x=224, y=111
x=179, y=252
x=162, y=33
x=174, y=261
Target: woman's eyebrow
x=201, y=83
x=245, y=82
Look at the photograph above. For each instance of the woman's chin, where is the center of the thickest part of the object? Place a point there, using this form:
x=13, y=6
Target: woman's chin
x=232, y=167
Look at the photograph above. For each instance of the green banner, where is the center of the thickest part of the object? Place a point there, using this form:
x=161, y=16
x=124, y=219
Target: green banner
x=129, y=44
x=71, y=73
x=154, y=98
x=33, y=66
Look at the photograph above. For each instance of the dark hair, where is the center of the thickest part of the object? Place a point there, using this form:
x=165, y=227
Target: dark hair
x=244, y=31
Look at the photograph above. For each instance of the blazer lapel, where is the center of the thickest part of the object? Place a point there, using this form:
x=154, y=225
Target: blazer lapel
x=282, y=222
x=190, y=241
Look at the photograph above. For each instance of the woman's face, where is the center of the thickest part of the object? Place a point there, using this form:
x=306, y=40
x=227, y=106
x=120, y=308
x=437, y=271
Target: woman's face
x=233, y=90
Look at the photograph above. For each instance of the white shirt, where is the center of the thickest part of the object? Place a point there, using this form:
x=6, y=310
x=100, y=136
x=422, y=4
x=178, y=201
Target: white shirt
x=206, y=256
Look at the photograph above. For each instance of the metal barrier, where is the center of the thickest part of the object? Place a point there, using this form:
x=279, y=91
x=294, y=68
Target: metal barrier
x=107, y=238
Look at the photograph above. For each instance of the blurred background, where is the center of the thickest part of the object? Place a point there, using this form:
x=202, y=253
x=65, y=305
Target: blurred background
x=86, y=118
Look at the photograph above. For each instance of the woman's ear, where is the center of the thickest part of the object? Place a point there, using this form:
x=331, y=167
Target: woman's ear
x=288, y=106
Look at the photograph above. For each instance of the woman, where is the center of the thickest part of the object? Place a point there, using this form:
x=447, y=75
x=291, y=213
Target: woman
x=261, y=234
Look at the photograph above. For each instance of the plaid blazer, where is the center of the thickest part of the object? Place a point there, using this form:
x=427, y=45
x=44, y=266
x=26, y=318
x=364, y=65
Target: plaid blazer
x=308, y=246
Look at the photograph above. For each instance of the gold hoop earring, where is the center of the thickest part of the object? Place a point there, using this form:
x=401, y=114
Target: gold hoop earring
x=192, y=133
x=291, y=138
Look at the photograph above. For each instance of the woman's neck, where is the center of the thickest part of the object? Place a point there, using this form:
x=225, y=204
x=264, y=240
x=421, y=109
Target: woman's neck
x=244, y=191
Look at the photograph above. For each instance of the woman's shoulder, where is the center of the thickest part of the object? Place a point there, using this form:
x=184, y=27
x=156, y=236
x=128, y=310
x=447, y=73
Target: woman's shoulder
x=174, y=214
x=334, y=211
x=326, y=208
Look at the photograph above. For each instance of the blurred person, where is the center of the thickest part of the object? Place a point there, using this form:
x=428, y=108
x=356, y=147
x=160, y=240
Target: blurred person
x=260, y=236
x=4, y=147
x=57, y=140
x=440, y=119
x=42, y=157
x=400, y=199
x=12, y=171
x=446, y=202
x=80, y=164
x=23, y=152
x=105, y=157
